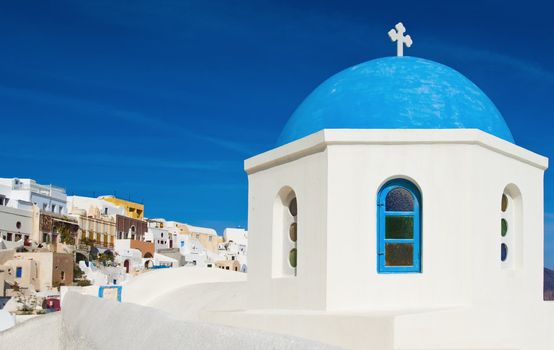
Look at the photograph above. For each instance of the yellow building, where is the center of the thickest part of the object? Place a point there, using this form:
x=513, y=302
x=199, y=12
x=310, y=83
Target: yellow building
x=132, y=209
x=207, y=237
x=98, y=228
x=96, y=219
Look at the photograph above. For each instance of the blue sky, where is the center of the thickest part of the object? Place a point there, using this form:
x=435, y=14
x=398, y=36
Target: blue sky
x=161, y=101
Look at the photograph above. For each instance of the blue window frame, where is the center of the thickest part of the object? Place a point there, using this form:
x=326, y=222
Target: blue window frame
x=102, y=288
x=399, y=227
x=18, y=272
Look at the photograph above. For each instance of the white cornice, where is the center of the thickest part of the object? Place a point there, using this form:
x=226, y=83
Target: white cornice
x=318, y=141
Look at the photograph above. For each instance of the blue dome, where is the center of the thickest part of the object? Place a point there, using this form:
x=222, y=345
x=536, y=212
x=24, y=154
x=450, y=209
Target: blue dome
x=396, y=93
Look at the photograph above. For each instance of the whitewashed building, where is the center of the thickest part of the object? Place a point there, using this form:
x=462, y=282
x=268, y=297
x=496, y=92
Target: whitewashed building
x=235, y=247
x=157, y=234
x=23, y=193
x=237, y=235
x=397, y=195
x=80, y=204
x=17, y=226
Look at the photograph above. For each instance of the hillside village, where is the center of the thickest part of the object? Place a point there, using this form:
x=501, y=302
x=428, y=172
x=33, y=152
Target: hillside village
x=49, y=240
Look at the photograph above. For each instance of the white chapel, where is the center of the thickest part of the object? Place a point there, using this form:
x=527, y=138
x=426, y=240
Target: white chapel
x=398, y=211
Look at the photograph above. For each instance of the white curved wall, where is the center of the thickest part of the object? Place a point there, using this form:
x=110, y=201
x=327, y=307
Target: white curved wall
x=92, y=323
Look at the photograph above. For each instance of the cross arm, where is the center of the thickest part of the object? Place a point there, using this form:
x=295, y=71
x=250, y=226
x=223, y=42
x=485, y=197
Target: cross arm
x=393, y=35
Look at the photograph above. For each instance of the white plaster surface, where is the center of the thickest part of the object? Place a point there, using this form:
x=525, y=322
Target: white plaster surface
x=38, y=333
x=461, y=173
x=7, y=320
x=91, y=323
x=158, y=284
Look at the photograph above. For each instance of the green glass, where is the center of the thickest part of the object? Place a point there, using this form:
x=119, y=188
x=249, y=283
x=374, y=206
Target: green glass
x=399, y=254
x=399, y=227
x=504, y=227
x=292, y=257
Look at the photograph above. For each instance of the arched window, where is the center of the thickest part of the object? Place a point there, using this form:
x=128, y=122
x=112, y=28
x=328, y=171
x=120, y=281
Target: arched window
x=399, y=227
x=285, y=232
x=510, y=226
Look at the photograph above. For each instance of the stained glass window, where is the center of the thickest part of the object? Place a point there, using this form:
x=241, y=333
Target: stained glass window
x=503, y=227
x=292, y=231
x=290, y=237
x=503, y=252
x=504, y=204
x=292, y=257
x=399, y=199
x=399, y=254
x=507, y=232
x=292, y=207
x=399, y=227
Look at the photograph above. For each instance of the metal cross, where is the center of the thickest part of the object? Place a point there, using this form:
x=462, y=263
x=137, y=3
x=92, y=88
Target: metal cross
x=398, y=36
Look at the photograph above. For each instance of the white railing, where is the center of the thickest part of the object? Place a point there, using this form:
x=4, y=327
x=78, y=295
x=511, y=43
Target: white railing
x=49, y=190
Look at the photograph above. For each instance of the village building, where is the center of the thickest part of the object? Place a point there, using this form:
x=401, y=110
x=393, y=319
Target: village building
x=232, y=265
x=24, y=193
x=130, y=228
x=234, y=248
x=38, y=271
x=96, y=219
x=17, y=225
x=132, y=209
x=207, y=237
x=157, y=234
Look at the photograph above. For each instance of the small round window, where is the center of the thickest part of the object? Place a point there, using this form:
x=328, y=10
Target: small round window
x=292, y=257
x=503, y=252
x=18, y=225
x=503, y=227
x=504, y=202
x=292, y=231
x=292, y=207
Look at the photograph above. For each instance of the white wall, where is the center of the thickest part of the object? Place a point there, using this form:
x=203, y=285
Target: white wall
x=307, y=176
x=24, y=192
x=337, y=174
x=86, y=203
x=82, y=313
x=9, y=219
x=159, y=236
x=237, y=235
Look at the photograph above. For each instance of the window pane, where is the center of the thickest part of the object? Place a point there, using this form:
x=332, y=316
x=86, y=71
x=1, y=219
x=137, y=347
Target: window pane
x=399, y=199
x=292, y=231
x=292, y=207
x=292, y=257
x=503, y=252
x=504, y=227
x=504, y=202
x=399, y=227
x=399, y=254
